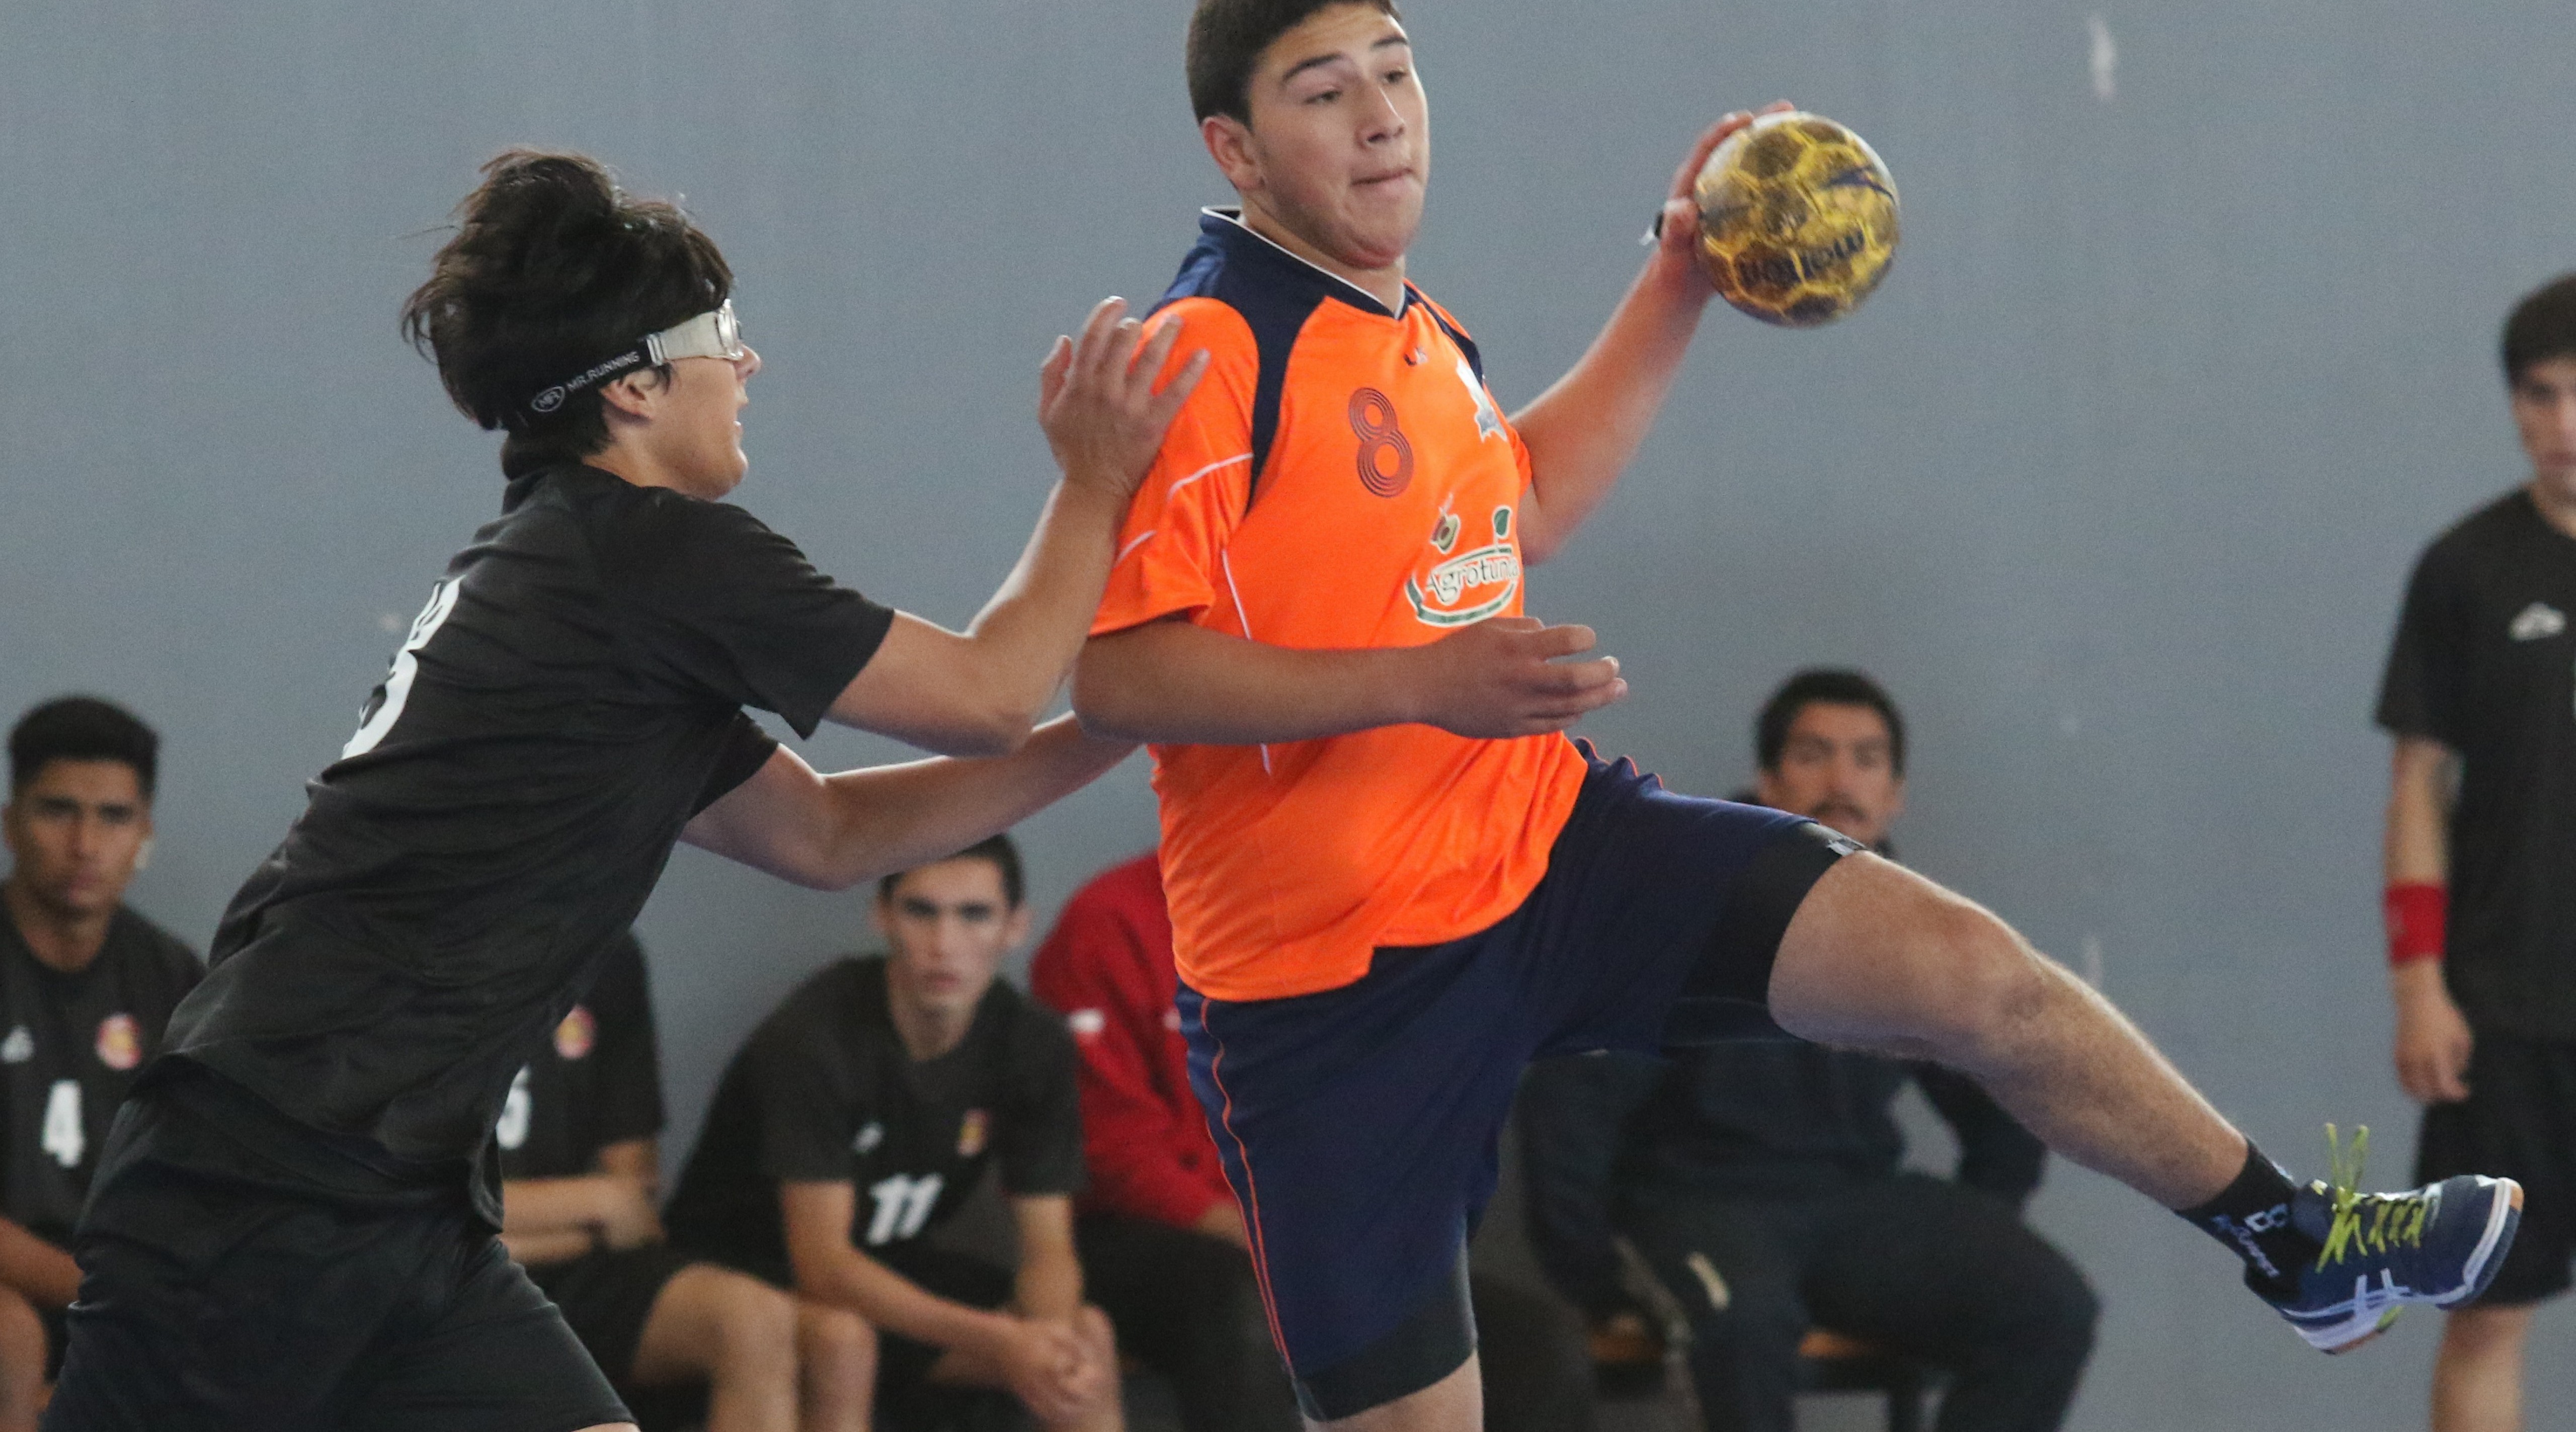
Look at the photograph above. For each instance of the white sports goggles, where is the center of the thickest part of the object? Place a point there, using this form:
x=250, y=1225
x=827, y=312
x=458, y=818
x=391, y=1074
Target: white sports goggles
x=714, y=334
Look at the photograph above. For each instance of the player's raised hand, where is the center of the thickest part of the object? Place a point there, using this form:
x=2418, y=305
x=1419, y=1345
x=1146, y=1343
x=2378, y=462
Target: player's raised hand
x=1508, y=677
x=1098, y=402
x=1679, y=228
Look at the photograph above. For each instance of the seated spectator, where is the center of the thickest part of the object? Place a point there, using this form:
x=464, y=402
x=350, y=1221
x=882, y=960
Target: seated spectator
x=860, y=1116
x=1760, y=1180
x=1161, y=1238
x=86, y=989
x=580, y=1168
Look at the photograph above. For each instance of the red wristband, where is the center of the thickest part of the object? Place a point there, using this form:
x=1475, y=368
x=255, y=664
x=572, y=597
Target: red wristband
x=2418, y=913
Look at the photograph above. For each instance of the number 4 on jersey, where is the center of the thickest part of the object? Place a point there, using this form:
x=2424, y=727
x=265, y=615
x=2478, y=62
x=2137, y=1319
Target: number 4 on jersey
x=64, y=1135
x=386, y=706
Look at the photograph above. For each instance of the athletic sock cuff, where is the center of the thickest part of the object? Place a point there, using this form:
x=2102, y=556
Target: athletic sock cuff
x=2251, y=1217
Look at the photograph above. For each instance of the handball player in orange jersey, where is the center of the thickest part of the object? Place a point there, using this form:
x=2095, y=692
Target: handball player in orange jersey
x=1393, y=880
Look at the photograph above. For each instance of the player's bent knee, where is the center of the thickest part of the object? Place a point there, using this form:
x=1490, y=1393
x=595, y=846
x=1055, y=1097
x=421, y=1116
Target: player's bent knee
x=1880, y=957
x=757, y=1319
x=22, y=1341
x=836, y=1352
x=728, y=1324
x=836, y=1338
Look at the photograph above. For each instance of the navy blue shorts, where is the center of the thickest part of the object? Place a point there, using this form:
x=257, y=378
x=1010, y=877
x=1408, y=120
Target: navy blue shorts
x=1358, y=1125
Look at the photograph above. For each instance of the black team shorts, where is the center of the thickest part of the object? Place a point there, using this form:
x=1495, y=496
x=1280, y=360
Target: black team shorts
x=606, y=1298
x=2520, y=1123
x=222, y=1289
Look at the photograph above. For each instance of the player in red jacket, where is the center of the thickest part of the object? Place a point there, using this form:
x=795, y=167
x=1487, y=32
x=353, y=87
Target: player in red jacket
x=1161, y=1238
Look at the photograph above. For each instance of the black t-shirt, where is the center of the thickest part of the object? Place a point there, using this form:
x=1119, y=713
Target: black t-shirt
x=569, y=698
x=73, y=1046
x=596, y=1082
x=824, y=1092
x=2485, y=663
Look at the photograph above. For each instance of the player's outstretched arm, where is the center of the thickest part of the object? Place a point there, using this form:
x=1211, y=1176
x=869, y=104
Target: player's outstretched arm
x=1582, y=432
x=1170, y=681
x=977, y=692
x=834, y=832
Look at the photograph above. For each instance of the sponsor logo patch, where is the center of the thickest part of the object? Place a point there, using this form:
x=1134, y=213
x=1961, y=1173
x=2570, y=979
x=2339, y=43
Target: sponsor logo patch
x=2538, y=622
x=972, y=1133
x=19, y=1047
x=120, y=1042
x=869, y=1137
x=1471, y=586
x=577, y=1035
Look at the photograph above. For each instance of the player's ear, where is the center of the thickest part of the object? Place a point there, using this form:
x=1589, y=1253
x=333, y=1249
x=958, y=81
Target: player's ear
x=1015, y=931
x=1895, y=799
x=1229, y=143
x=634, y=395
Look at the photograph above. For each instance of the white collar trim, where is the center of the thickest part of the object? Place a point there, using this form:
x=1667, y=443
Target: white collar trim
x=1235, y=217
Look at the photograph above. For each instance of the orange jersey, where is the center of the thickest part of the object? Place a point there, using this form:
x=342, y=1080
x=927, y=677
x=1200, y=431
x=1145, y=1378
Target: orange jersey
x=1340, y=479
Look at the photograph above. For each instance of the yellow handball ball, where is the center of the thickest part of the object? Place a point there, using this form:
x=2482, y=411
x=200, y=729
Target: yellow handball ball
x=1797, y=219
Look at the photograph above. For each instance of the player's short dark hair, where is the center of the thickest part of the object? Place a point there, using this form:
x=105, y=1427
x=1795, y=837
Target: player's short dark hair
x=2543, y=326
x=1827, y=686
x=995, y=848
x=553, y=267
x=82, y=728
x=1226, y=41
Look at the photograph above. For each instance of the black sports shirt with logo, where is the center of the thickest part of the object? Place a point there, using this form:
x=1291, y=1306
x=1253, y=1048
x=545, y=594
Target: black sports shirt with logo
x=596, y=1081
x=2485, y=663
x=572, y=694
x=825, y=1092
x=71, y=1046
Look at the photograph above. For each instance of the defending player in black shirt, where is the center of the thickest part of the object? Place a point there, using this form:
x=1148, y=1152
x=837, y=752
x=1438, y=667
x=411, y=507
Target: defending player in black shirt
x=86, y=988
x=862, y=1114
x=579, y=1171
x=569, y=703
x=2480, y=694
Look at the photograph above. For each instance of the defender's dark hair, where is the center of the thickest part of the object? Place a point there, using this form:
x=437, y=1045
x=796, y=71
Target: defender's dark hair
x=2543, y=327
x=1226, y=41
x=995, y=848
x=82, y=728
x=1831, y=686
x=554, y=268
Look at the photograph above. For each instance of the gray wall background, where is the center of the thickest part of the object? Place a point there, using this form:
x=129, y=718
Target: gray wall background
x=2115, y=482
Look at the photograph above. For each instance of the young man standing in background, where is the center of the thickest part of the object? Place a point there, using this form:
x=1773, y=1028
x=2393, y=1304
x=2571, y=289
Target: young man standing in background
x=2480, y=694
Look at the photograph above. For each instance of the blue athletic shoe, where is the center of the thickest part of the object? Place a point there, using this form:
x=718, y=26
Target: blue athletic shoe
x=2439, y=1244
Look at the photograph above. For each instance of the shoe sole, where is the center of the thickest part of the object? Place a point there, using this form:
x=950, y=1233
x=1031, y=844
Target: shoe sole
x=2502, y=1215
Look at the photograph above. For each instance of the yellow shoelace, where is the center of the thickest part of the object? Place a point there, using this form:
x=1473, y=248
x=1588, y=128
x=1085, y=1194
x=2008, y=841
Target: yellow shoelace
x=2365, y=1222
